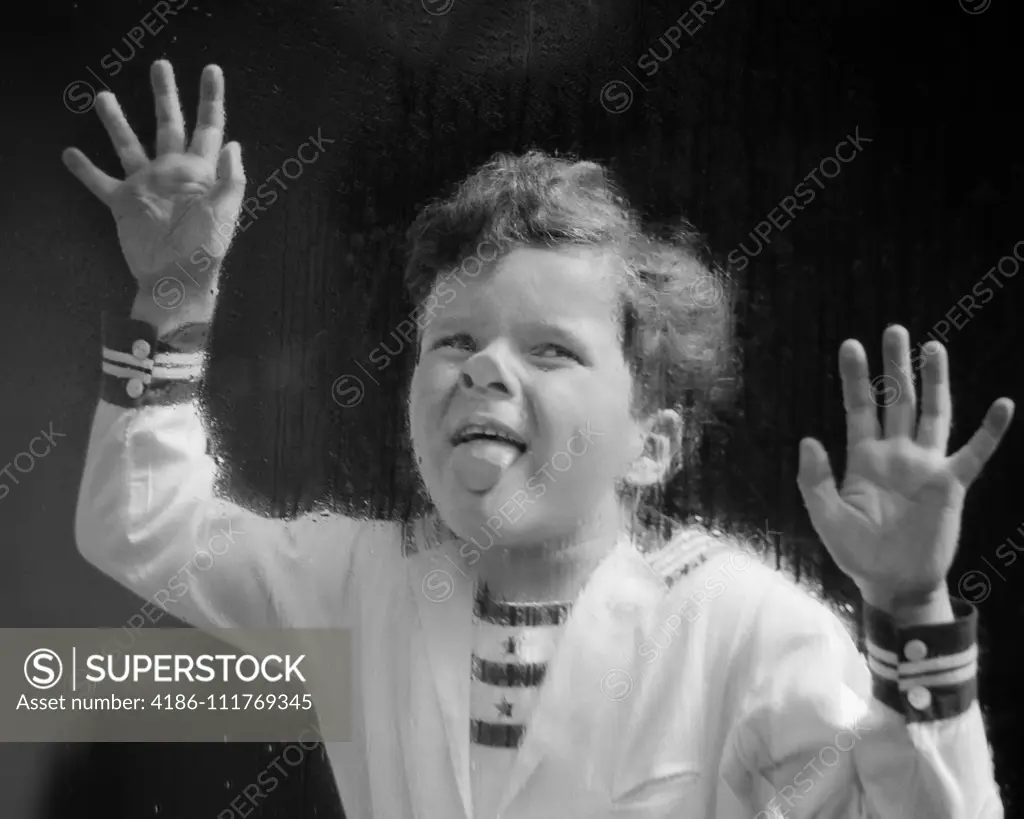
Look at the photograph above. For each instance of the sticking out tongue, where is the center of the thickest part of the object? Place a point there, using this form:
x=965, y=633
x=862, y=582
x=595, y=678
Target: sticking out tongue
x=480, y=464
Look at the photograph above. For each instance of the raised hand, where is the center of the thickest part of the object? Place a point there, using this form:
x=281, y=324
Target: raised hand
x=177, y=212
x=893, y=526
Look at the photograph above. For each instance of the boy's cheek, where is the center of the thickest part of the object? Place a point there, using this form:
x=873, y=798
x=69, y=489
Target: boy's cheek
x=427, y=396
x=433, y=379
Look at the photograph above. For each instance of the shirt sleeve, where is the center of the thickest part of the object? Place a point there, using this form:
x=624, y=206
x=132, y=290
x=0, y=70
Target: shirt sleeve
x=824, y=733
x=149, y=518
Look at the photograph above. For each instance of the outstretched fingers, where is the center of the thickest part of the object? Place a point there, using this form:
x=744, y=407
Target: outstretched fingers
x=101, y=184
x=936, y=403
x=170, y=124
x=209, y=134
x=861, y=409
x=227, y=192
x=971, y=458
x=817, y=485
x=127, y=145
x=900, y=402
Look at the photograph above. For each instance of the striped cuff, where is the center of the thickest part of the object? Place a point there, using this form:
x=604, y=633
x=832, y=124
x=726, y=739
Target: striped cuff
x=926, y=672
x=141, y=370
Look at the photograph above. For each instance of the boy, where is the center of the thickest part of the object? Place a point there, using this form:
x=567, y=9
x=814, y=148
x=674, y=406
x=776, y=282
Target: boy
x=549, y=673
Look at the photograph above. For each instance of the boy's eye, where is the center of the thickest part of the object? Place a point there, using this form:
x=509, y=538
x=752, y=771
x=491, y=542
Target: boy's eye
x=558, y=351
x=459, y=341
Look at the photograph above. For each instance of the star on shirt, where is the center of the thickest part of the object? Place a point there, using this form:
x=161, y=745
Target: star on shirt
x=510, y=645
x=504, y=707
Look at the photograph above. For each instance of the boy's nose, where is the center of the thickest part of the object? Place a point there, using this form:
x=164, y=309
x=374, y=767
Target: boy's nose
x=482, y=373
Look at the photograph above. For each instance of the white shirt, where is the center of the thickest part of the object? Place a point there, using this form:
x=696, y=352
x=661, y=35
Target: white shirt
x=725, y=692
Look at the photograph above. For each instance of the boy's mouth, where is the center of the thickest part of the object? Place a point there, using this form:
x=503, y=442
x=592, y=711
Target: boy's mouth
x=483, y=451
x=488, y=433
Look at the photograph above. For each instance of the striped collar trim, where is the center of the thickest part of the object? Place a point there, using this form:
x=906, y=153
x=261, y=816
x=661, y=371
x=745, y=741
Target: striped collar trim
x=504, y=613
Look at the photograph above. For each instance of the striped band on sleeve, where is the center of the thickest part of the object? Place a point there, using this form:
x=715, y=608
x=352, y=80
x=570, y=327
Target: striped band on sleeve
x=140, y=369
x=926, y=672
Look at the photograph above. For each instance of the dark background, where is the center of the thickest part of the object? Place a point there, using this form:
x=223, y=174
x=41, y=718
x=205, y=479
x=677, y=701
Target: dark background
x=726, y=128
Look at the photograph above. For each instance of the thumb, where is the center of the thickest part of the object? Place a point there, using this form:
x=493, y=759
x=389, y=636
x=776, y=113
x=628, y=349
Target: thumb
x=815, y=479
x=230, y=185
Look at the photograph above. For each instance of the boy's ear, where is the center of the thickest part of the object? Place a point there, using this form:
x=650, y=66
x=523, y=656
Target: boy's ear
x=663, y=438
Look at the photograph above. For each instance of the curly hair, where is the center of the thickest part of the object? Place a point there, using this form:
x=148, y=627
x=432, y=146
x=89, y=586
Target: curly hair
x=676, y=306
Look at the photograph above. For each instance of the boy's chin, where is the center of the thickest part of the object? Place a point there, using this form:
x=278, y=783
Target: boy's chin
x=489, y=515
x=483, y=505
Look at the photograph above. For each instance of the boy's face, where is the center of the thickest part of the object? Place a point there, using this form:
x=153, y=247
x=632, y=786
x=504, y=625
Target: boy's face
x=534, y=345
